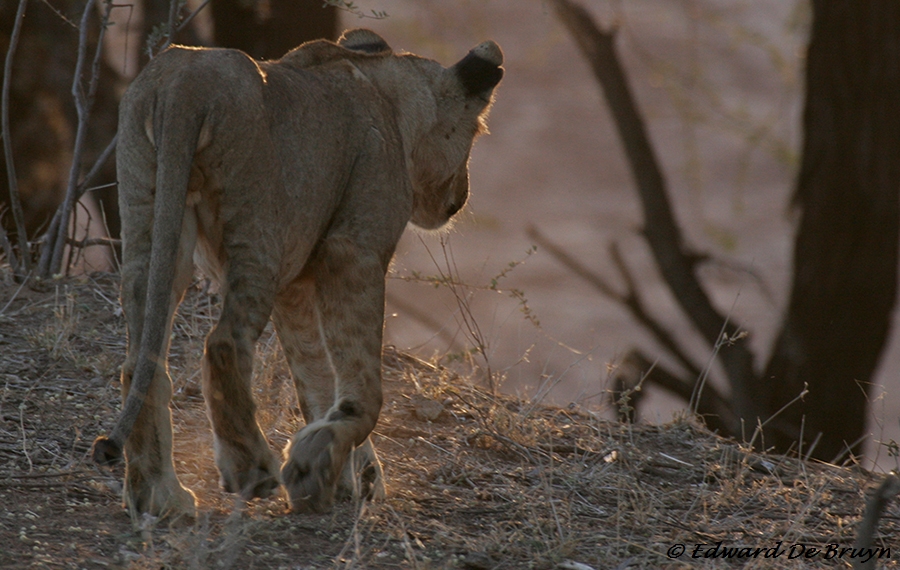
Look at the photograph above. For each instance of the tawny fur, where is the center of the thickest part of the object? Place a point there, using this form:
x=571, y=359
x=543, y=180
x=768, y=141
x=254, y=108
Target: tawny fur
x=290, y=183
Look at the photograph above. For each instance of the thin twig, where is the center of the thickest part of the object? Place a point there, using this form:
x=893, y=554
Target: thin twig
x=712, y=406
x=174, y=7
x=59, y=14
x=13, y=298
x=190, y=16
x=630, y=299
x=84, y=186
x=24, y=437
x=470, y=326
x=724, y=339
x=7, y=246
x=773, y=417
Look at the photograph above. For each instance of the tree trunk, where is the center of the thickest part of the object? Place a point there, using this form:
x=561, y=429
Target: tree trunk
x=846, y=249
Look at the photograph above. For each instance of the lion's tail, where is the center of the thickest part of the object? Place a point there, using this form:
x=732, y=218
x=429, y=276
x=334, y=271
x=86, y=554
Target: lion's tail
x=177, y=140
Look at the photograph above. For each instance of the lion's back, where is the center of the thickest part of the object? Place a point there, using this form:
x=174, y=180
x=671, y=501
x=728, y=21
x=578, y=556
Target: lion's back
x=182, y=82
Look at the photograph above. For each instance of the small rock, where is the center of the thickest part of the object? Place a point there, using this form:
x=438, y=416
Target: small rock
x=426, y=409
x=477, y=561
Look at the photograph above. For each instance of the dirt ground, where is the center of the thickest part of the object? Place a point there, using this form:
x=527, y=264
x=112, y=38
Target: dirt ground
x=475, y=481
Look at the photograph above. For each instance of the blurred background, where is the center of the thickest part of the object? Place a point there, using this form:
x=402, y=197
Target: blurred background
x=720, y=84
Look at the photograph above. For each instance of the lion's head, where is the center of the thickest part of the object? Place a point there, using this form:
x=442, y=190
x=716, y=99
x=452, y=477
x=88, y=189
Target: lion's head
x=451, y=105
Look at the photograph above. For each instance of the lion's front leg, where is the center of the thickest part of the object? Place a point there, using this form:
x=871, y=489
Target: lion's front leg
x=322, y=462
x=330, y=326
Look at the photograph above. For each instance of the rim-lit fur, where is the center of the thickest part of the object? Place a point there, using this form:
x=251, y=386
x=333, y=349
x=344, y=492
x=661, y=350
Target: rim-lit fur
x=289, y=183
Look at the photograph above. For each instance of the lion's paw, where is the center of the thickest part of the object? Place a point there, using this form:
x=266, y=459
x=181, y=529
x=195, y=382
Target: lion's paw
x=312, y=467
x=250, y=472
x=165, y=498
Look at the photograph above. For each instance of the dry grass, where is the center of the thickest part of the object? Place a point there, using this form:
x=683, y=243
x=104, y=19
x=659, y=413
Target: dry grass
x=475, y=481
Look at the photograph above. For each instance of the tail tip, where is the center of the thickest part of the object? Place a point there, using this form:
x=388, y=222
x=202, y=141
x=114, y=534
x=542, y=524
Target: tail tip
x=106, y=451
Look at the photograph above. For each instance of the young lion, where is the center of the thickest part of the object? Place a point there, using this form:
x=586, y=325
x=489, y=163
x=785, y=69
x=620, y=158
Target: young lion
x=290, y=183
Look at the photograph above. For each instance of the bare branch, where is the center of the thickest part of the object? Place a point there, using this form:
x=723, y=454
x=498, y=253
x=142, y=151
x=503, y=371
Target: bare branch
x=865, y=537
x=89, y=242
x=84, y=101
x=53, y=229
x=47, y=241
x=660, y=228
x=174, y=8
x=713, y=407
x=15, y=203
x=630, y=299
x=84, y=186
x=7, y=246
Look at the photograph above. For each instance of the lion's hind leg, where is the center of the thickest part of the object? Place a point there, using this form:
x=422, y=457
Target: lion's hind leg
x=246, y=464
x=151, y=485
x=330, y=325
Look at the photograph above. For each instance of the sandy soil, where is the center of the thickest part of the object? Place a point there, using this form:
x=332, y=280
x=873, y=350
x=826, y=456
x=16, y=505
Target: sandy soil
x=720, y=84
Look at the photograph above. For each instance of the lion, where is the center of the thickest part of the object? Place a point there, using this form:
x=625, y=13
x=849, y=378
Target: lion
x=289, y=182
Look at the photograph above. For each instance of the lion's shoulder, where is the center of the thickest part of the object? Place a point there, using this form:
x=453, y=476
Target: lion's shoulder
x=353, y=45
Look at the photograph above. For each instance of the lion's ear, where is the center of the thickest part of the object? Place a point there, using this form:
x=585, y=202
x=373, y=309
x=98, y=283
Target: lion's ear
x=480, y=70
x=365, y=41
